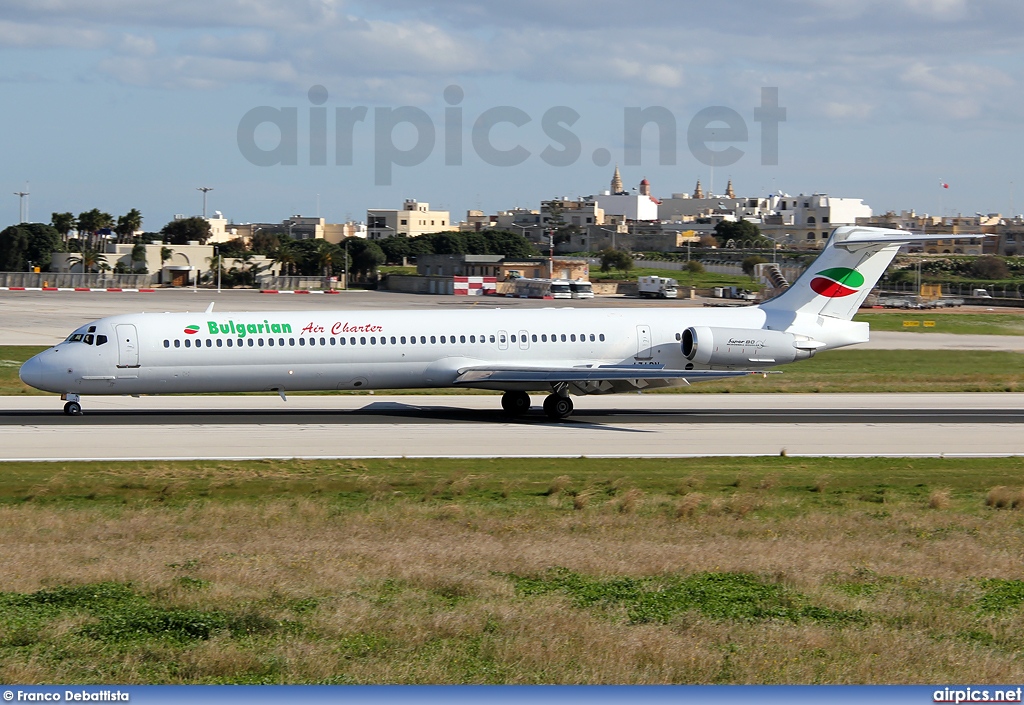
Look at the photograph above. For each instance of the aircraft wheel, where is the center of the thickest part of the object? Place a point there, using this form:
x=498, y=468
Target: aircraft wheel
x=73, y=408
x=557, y=407
x=515, y=403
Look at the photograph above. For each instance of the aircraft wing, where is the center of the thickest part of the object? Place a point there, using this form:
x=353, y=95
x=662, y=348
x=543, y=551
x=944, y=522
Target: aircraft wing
x=609, y=373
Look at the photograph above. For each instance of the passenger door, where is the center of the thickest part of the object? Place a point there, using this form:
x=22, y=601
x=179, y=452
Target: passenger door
x=127, y=346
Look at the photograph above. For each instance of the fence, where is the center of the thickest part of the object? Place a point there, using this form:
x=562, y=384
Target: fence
x=997, y=291
x=297, y=283
x=103, y=280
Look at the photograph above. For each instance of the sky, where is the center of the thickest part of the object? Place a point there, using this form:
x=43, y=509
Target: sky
x=331, y=107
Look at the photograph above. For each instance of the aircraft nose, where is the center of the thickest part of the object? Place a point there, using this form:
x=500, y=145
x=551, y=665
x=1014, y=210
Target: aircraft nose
x=31, y=372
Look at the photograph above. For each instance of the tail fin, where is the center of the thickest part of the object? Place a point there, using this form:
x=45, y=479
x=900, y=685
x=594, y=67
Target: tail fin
x=838, y=281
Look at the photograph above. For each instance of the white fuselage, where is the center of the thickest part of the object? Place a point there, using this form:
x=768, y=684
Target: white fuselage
x=316, y=350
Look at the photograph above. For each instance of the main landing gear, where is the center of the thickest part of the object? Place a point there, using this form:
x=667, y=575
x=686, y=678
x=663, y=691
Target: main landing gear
x=72, y=408
x=517, y=403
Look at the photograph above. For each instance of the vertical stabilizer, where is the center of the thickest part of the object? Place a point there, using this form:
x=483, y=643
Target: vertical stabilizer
x=838, y=281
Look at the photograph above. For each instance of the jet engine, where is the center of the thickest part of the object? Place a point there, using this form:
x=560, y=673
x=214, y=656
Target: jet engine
x=745, y=347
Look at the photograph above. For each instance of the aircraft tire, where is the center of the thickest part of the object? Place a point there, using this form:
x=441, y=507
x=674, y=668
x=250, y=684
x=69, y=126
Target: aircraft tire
x=73, y=408
x=515, y=403
x=558, y=407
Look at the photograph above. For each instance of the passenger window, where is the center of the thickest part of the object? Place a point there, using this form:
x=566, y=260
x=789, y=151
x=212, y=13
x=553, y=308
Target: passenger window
x=373, y=340
x=188, y=343
x=601, y=337
x=501, y=338
x=534, y=337
x=280, y=341
x=167, y=343
x=312, y=341
x=342, y=341
x=302, y=341
x=261, y=342
x=403, y=340
x=492, y=338
x=177, y=343
x=472, y=338
x=513, y=336
x=442, y=339
x=351, y=341
x=231, y=343
x=572, y=337
x=563, y=337
x=332, y=341
x=88, y=339
x=220, y=343
x=543, y=337
x=270, y=342
x=423, y=340
x=362, y=341
x=251, y=343
x=591, y=337
x=462, y=339
x=433, y=340
x=323, y=341
x=101, y=339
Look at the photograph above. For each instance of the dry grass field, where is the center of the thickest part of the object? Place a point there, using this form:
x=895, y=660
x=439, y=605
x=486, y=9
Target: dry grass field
x=772, y=570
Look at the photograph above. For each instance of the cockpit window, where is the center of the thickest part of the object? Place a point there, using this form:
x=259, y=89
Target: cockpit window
x=101, y=339
x=88, y=339
x=75, y=338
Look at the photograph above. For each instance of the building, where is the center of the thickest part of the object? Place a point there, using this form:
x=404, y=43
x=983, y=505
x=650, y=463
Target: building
x=808, y=220
x=415, y=218
x=299, y=227
x=946, y=229
x=501, y=268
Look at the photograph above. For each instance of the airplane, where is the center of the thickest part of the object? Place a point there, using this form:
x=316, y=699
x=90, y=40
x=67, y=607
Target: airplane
x=560, y=351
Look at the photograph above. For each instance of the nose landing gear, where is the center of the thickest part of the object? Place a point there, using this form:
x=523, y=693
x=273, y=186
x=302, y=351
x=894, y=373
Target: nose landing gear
x=73, y=407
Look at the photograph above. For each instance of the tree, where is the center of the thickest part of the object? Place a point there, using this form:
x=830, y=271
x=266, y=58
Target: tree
x=139, y=255
x=266, y=242
x=511, y=245
x=736, y=230
x=287, y=257
x=616, y=259
x=325, y=253
x=990, y=267
x=749, y=263
x=181, y=232
x=28, y=242
x=63, y=223
x=90, y=258
x=91, y=222
x=127, y=224
x=448, y=243
x=395, y=249
x=694, y=267
x=366, y=256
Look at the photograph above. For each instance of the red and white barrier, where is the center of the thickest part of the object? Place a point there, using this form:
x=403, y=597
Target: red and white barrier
x=76, y=288
x=475, y=286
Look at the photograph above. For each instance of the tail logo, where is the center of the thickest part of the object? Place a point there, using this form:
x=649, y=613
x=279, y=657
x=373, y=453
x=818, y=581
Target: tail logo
x=837, y=281
x=191, y=330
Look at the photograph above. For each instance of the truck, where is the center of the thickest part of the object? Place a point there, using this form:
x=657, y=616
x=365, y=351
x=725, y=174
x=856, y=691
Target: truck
x=657, y=287
x=526, y=288
x=581, y=289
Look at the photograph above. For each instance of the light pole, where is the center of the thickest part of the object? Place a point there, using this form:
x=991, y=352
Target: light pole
x=216, y=251
x=205, y=190
x=346, y=264
x=613, y=232
x=22, y=207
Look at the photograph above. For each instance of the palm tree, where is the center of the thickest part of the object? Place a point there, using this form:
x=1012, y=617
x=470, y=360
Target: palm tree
x=287, y=257
x=324, y=256
x=138, y=255
x=63, y=223
x=127, y=224
x=91, y=222
x=90, y=258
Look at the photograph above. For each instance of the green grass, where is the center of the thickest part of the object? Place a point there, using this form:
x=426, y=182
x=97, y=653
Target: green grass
x=956, y=323
x=722, y=570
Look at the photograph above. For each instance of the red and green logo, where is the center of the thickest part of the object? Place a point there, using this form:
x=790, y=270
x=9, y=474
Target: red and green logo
x=191, y=330
x=837, y=281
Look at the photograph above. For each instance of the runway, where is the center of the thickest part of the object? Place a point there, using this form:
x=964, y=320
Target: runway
x=650, y=425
